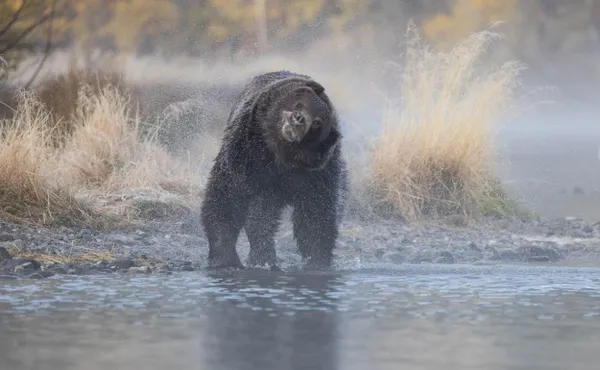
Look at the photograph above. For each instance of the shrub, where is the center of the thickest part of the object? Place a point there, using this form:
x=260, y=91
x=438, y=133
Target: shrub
x=60, y=93
x=435, y=154
x=103, y=162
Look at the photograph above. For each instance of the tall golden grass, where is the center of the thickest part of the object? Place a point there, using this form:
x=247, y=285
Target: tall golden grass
x=25, y=154
x=60, y=92
x=435, y=154
x=107, y=157
x=104, y=166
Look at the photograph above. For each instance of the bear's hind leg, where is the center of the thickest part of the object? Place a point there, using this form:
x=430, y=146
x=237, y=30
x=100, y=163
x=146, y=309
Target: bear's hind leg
x=261, y=226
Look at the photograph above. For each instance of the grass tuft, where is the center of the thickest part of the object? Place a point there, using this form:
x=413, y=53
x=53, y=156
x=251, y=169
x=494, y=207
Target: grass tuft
x=24, y=156
x=435, y=154
x=60, y=93
x=103, y=163
x=61, y=258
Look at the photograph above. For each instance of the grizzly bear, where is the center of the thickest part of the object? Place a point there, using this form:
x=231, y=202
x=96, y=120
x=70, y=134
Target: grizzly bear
x=281, y=147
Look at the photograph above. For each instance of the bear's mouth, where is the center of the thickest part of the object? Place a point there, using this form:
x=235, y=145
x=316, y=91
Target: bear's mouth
x=294, y=126
x=291, y=133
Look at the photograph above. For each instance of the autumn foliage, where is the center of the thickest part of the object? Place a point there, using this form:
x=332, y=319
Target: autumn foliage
x=217, y=28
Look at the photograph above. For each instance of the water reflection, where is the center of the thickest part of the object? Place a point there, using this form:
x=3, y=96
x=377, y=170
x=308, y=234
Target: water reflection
x=284, y=322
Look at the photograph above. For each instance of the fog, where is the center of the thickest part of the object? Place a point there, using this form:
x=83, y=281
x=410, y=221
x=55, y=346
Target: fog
x=549, y=155
x=552, y=160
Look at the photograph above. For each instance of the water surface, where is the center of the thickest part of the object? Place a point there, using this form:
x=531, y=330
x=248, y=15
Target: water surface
x=417, y=317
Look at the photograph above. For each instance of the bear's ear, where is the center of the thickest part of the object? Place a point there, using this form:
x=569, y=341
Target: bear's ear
x=317, y=87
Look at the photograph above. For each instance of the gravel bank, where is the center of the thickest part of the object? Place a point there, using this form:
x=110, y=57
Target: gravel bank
x=27, y=252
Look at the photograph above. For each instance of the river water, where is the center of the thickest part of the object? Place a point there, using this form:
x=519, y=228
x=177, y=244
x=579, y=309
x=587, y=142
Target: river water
x=413, y=317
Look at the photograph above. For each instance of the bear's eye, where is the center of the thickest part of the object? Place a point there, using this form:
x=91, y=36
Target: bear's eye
x=298, y=106
x=317, y=123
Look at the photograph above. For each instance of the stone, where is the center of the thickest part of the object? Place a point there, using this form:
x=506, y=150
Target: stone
x=474, y=247
x=187, y=268
x=379, y=252
x=395, y=257
x=6, y=238
x=455, y=221
x=140, y=270
x=102, y=264
x=507, y=255
x=4, y=254
x=28, y=266
x=120, y=239
x=533, y=253
x=122, y=263
x=587, y=229
x=432, y=256
x=444, y=257
x=46, y=274
x=57, y=270
x=49, y=265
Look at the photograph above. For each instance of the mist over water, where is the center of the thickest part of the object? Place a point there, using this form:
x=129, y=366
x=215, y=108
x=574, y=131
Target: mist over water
x=551, y=160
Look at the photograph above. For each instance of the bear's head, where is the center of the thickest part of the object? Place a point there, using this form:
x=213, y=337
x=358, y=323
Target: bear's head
x=300, y=123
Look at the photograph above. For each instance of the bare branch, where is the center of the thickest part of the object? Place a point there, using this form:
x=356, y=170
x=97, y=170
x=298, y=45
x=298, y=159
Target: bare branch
x=47, y=48
x=27, y=31
x=13, y=19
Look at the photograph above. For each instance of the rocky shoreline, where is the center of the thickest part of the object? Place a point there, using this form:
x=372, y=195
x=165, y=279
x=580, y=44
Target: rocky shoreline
x=163, y=248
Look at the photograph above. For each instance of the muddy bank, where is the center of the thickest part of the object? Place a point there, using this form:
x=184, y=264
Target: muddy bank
x=161, y=248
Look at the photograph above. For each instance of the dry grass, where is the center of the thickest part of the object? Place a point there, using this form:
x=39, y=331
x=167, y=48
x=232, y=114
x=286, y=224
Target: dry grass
x=103, y=162
x=78, y=255
x=107, y=160
x=60, y=93
x=435, y=154
x=25, y=154
x=67, y=257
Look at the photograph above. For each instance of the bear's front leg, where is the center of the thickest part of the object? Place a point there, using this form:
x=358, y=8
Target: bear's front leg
x=223, y=214
x=261, y=226
x=316, y=230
